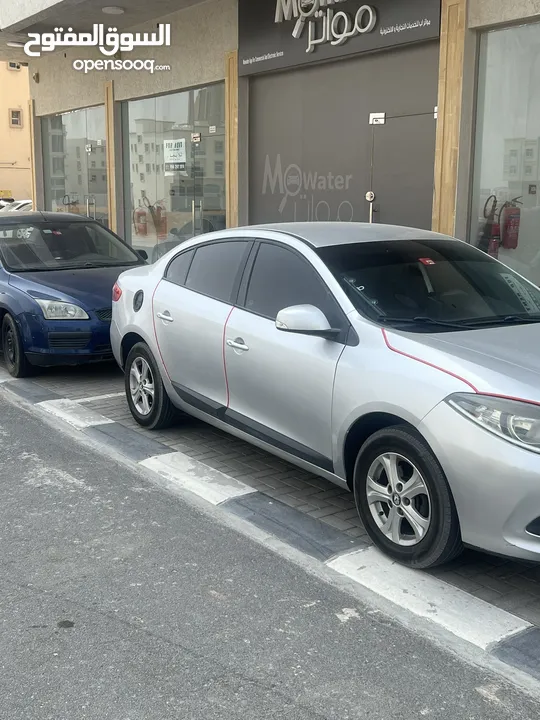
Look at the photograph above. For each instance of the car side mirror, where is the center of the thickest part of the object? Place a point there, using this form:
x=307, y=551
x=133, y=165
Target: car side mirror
x=306, y=320
x=142, y=254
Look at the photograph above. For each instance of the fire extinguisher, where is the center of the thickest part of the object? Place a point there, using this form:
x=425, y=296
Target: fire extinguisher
x=509, y=220
x=491, y=231
x=140, y=221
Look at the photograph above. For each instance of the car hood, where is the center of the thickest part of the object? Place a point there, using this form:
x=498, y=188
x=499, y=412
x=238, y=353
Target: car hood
x=501, y=360
x=89, y=287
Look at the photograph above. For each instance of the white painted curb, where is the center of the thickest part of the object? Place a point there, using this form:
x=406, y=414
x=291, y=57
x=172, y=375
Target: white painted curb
x=458, y=612
x=71, y=412
x=211, y=485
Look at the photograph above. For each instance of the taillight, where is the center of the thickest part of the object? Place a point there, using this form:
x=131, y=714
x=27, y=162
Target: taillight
x=116, y=292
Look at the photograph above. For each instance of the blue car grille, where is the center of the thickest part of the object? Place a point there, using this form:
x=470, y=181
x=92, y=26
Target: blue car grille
x=71, y=340
x=105, y=314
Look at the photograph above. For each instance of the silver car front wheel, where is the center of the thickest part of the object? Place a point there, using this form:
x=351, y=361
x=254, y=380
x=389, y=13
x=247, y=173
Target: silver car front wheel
x=404, y=499
x=398, y=499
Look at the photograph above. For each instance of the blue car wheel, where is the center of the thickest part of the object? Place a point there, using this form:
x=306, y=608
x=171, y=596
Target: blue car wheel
x=16, y=363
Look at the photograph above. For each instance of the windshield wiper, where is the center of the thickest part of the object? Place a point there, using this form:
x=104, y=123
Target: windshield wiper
x=421, y=320
x=504, y=320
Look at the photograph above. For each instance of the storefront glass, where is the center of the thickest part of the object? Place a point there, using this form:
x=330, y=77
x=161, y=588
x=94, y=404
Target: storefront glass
x=505, y=211
x=174, y=167
x=75, y=163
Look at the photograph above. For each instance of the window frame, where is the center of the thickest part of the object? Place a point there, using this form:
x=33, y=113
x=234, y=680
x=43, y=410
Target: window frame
x=346, y=337
x=19, y=125
x=249, y=242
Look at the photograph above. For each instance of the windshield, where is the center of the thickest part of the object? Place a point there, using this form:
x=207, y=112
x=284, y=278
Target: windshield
x=65, y=245
x=431, y=285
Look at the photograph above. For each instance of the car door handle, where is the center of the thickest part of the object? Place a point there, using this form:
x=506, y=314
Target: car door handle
x=237, y=344
x=165, y=316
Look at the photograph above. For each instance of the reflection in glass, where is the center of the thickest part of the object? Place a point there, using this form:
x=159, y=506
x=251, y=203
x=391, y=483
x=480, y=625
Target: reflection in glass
x=174, y=163
x=75, y=163
x=505, y=211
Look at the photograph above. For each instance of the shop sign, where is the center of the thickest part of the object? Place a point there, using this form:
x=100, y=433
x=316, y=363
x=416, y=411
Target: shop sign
x=276, y=34
x=174, y=154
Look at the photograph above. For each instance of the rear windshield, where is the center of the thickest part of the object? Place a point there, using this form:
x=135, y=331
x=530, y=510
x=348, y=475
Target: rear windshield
x=436, y=280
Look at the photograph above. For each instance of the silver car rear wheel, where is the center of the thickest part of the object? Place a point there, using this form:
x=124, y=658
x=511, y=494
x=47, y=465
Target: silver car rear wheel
x=398, y=499
x=146, y=396
x=141, y=386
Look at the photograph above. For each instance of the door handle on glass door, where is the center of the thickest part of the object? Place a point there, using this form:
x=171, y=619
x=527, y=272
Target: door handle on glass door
x=165, y=316
x=237, y=344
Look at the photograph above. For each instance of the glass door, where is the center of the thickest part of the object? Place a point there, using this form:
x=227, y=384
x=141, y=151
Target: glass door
x=75, y=163
x=208, y=174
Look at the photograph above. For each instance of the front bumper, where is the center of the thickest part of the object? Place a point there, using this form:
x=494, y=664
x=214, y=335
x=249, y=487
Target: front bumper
x=495, y=484
x=65, y=342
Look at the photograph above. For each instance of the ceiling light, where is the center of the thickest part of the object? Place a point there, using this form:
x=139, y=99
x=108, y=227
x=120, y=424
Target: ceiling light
x=15, y=44
x=112, y=10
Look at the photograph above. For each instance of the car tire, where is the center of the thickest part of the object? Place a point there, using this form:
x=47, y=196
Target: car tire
x=151, y=409
x=12, y=348
x=404, y=500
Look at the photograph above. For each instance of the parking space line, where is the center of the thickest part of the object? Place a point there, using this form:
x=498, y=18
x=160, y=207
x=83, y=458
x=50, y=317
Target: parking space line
x=212, y=485
x=73, y=413
x=458, y=612
x=98, y=398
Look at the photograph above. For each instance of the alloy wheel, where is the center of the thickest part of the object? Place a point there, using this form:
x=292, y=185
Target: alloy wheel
x=141, y=385
x=398, y=499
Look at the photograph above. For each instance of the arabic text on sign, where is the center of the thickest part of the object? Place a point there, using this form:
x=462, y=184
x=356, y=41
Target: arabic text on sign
x=109, y=42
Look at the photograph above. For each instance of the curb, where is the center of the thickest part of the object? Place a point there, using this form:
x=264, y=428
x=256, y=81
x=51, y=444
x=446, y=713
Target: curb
x=493, y=630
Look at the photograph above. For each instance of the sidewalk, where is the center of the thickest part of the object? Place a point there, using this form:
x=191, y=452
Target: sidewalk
x=511, y=586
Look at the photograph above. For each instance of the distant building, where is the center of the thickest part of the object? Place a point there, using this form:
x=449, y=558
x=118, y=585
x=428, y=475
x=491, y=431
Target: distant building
x=15, y=154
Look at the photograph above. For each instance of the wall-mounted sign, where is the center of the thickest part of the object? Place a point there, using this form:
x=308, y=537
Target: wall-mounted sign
x=212, y=129
x=276, y=34
x=196, y=137
x=174, y=156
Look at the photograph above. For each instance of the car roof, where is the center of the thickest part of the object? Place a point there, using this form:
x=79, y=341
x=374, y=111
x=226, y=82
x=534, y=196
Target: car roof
x=35, y=216
x=326, y=234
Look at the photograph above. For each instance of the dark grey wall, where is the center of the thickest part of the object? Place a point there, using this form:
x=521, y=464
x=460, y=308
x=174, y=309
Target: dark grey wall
x=311, y=142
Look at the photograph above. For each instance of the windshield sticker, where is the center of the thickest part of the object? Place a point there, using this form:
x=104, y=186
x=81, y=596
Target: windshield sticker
x=523, y=294
x=426, y=261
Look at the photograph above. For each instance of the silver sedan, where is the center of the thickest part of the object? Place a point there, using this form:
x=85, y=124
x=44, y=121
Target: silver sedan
x=399, y=363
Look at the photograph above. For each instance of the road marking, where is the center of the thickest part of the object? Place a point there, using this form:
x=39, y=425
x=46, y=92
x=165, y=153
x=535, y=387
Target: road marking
x=202, y=480
x=460, y=613
x=97, y=398
x=73, y=413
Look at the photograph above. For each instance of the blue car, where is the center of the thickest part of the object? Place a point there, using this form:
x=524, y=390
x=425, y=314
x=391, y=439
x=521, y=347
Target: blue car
x=57, y=273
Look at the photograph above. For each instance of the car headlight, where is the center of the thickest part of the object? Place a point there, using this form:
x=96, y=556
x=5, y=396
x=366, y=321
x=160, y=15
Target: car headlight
x=518, y=422
x=57, y=310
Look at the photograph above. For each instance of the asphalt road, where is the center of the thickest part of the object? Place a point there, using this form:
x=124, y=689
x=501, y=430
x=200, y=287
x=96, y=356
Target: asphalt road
x=121, y=602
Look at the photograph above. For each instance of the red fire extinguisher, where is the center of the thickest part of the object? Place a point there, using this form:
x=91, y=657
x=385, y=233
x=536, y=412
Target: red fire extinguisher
x=140, y=221
x=509, y=219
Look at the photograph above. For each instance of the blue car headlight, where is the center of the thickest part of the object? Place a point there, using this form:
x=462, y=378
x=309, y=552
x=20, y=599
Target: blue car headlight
x=58, y=310
x=515, y=421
